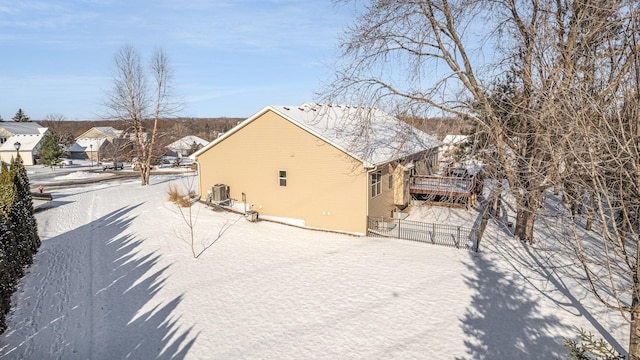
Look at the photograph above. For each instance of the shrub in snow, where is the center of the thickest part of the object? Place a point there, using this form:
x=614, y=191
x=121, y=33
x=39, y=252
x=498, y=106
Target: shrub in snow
x=7, y=189
x=184, y=201
x=8, y=197
x=21, y=214
x=7, y=278
x=19, y=239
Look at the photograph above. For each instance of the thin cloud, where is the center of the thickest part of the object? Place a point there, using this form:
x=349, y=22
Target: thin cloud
x=269, y=50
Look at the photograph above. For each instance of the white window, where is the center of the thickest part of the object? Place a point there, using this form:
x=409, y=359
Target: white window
x=376, y=183
x=282, y=177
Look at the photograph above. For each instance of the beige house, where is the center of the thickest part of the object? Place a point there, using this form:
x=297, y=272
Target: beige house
x=27, y=134
x=99, y=143
x=318, y=166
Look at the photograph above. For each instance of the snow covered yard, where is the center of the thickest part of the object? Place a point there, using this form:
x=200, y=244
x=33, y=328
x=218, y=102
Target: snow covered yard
x=115, y=279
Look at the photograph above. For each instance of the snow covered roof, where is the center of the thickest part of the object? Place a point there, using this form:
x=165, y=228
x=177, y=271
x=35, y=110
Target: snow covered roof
x=87, y=142
x=108, y=131
x=23, y=128
x=76, y=148
x=186, y=142
x=451, y=139
x=27, y=142
x=370, y=135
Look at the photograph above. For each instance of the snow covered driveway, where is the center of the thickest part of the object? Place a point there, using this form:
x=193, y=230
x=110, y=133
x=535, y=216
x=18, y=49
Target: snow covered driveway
x=115, y=279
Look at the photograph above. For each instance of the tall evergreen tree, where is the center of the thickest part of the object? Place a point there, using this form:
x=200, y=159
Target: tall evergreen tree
x=7, y=190
x=8, y=195
x=50, y=151
x=19, y=239
x=7, y=278
x=12, y=268
x=23, y=214
x=20, y=116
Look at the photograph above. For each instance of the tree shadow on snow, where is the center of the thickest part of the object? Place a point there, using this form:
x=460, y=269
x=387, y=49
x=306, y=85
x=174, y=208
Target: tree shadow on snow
x=502, y=322
x=504, y=319
x=90, y=294
x=49, y=205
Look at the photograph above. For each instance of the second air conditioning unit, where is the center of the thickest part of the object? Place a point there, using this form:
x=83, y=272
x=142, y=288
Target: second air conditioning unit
x=220, y=192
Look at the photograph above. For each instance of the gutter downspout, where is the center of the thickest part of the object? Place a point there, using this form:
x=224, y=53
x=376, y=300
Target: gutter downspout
x=199, y=179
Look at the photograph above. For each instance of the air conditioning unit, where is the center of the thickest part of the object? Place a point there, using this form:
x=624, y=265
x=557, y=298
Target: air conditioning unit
x=220, y=192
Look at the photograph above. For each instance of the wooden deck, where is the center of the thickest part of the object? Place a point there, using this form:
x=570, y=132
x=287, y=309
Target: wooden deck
x=448, y=187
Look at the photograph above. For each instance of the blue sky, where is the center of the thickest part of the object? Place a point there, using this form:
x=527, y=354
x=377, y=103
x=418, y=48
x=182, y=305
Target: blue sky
x=230, y=57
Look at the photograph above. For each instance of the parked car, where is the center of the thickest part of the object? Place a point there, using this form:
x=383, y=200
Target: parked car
x=64, y=162
x=112, y=164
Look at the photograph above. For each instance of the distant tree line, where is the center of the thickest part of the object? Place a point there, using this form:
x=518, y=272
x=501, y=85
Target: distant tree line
x=19, y=240
x=170, y=130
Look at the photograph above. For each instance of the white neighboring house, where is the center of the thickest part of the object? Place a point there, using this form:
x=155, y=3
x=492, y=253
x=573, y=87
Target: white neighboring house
x=88, y=148
x=450, y=144
x=27, y=134
x=184, y=146
x=452, y=167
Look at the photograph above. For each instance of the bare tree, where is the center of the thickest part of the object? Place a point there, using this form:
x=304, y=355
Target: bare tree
x=555, y=101
x=185, y=198
x=118, y=148
x=430, y=57
x=429, y=42
x=141, y=103
x=602, y=157
x=184, y=202
x=60, y=127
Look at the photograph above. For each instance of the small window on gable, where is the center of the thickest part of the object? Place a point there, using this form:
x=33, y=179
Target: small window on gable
x=390, y=181
x=282, y=177
x=2, y=140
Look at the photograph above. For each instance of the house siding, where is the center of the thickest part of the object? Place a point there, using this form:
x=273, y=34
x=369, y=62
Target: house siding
x=397, y=196
x=401, y=196
x=382, y=204
x=325, y=187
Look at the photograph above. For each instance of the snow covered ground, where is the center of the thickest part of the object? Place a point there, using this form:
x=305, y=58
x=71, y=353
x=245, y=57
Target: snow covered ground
x=115, y=279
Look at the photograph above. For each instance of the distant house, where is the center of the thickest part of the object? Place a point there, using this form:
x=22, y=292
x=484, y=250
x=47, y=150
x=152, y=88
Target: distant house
x=98, y=143
x=27, y=134
x=319, y=166
x=186, y=146
x=452, y=142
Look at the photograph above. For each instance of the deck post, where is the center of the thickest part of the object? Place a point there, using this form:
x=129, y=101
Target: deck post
x=433, y=233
